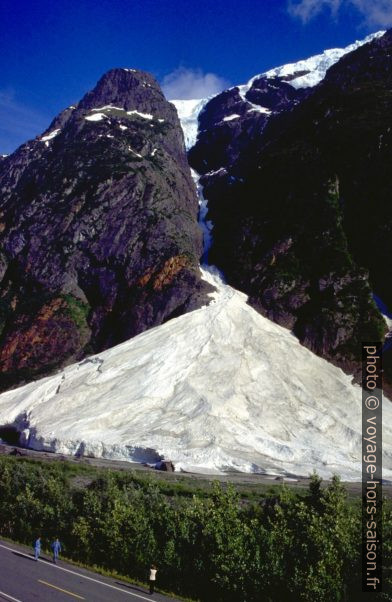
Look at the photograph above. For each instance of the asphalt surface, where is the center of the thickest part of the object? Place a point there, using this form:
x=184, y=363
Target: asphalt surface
x=22, y=579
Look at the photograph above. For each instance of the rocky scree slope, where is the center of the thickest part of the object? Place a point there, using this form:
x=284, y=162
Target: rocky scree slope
x=299, y=185
x=98, y=229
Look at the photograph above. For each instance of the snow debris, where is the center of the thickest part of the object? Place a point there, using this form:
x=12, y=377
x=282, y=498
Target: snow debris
x=245, y=395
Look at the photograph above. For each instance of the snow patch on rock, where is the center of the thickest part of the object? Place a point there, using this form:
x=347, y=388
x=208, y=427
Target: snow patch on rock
x=231, y=117
x=138, y=114
x=95, y=117
x=108, y=108
x=50, y=136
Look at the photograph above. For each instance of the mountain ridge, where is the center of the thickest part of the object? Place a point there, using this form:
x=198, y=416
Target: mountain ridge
x=99, y=235
x=267, y=229
x=224, y=386
x=316, y=66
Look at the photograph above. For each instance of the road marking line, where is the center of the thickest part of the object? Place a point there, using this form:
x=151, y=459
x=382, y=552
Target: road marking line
x=61, y=589
x=9, y=597
x=56, y=566
x=18, y=551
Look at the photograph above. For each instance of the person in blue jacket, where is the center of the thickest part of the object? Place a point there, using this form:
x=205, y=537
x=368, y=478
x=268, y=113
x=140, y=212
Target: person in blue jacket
x=37, y=548
x=56, y=548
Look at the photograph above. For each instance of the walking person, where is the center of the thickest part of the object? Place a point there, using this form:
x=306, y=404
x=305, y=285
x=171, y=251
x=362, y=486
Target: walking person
x=37, y=548
x=153, y=577
x=56, y=549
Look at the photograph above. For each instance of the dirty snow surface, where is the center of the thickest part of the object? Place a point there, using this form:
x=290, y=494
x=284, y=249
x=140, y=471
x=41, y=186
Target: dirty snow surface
x=221, y=388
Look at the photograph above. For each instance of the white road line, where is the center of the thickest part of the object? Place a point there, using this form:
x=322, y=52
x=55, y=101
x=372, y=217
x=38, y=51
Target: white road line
x=9, y=597
x=56, y=566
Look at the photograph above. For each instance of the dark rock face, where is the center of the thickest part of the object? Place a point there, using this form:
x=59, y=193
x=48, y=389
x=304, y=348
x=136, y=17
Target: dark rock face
x=219, y=139
x=301, y=206
x=274, y=93
x=98, y=229
x=232, y=122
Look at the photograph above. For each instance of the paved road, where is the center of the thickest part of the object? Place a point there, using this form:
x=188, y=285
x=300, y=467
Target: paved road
x=24, y=580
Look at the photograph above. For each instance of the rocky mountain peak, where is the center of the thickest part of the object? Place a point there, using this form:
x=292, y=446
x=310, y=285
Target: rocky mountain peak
x=125, y=89
x=129, y=89
x=98, y=234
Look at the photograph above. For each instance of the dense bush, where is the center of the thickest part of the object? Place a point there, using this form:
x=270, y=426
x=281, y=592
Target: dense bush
x=209, y=546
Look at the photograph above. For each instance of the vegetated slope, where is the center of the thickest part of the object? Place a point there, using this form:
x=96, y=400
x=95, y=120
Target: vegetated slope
x=98, y=229
x=221, y=388
x=299, y=195
x=213, y=543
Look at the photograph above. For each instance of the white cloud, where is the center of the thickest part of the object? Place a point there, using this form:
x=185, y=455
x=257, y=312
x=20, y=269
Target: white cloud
x=306, y=10
x=186, y=84
x=375, y=13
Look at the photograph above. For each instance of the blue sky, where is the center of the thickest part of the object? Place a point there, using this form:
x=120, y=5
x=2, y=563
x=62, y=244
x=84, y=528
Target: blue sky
x=53, y=51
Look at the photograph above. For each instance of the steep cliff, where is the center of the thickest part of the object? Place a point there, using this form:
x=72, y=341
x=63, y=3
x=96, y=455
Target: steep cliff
x=98, y=229
x=298, y=184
